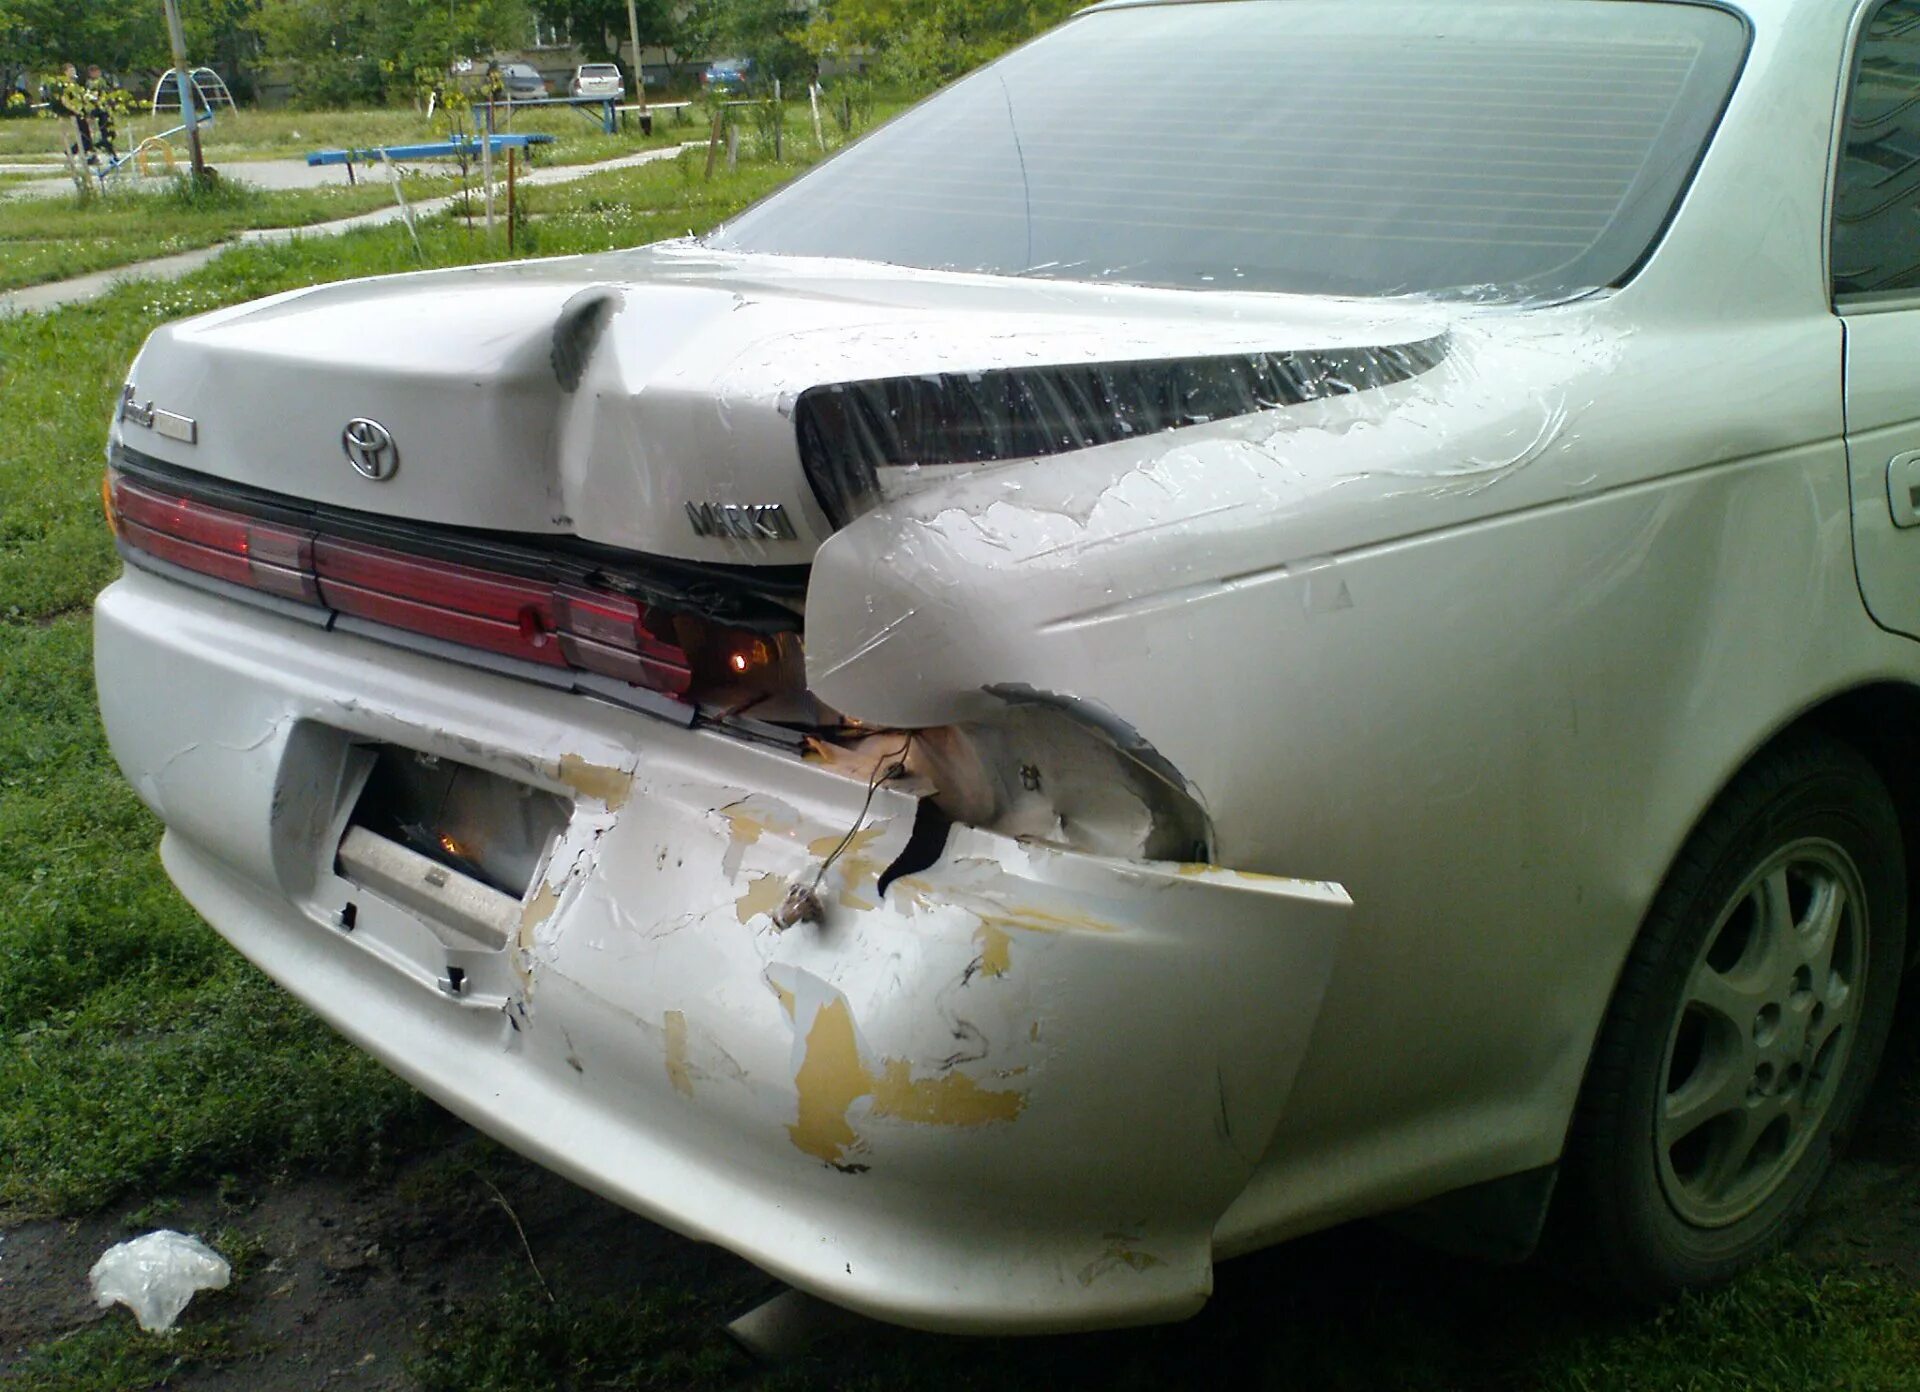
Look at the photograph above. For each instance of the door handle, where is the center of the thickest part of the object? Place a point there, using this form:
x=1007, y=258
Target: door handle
x=1903, y=488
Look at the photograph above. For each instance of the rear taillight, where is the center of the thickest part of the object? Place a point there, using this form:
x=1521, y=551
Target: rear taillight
x=608, y=634
x=459, y=604
x=565, y=626
x=214, y=541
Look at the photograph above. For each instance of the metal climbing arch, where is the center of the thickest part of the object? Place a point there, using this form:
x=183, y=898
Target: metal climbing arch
x=209, y=90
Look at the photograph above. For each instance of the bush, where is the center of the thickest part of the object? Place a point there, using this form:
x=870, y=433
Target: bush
x=333, y=82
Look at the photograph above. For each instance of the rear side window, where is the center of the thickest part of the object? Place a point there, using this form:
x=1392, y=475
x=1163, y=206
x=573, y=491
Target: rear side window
x=1876, y=209
x=1514, y=148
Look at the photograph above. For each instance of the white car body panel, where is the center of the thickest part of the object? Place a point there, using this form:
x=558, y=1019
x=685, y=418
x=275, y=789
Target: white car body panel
x=1460, y=660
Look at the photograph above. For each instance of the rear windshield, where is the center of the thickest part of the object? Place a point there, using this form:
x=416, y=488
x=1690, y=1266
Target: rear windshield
x=600, y=70
x=1531, y=148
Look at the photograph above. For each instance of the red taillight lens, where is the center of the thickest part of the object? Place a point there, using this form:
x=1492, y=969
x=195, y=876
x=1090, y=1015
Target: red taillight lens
x=216, y=541
x=529, y=620
x=607, y=634
x=499, y=613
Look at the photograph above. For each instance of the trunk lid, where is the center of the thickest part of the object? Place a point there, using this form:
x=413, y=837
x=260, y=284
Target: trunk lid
x=642, y=399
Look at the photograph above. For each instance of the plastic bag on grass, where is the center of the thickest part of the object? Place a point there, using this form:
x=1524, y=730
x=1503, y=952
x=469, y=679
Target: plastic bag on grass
x=156, y=1275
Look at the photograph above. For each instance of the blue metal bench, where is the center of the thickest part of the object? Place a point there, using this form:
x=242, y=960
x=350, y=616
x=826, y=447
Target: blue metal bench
x=440, y=149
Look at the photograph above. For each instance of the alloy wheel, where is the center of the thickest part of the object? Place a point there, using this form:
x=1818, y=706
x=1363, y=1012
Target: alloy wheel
x=1763, y=1035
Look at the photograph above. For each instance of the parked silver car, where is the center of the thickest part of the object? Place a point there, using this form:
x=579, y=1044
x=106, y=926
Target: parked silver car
x=523, y=81
x=1112, y=676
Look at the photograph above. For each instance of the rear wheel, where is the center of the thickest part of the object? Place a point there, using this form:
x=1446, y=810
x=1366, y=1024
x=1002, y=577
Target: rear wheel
x=1746, y=1028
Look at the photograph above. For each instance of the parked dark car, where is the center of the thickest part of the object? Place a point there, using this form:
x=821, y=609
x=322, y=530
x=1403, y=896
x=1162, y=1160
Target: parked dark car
x=728, y=75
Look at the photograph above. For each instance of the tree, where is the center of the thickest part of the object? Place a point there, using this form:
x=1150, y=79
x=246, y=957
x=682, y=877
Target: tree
x=348, y=50
x=770, y=32
x=40, y=35
x=917, y=44
x=599, y=27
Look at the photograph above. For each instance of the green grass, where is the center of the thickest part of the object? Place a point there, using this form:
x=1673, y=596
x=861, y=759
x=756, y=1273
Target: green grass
x=44, y=239
x=115, y=1356
x=48, y=239
x=636, y=1339
x=1316, y=1319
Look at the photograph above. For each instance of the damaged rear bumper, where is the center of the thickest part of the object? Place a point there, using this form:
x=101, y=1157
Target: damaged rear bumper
x=1012, y=1093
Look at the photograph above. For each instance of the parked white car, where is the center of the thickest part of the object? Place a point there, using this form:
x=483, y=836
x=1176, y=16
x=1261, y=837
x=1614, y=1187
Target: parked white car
x=596, y=80
x=1111, y=677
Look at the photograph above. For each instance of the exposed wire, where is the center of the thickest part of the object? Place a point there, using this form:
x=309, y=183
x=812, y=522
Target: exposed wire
x=881, y=773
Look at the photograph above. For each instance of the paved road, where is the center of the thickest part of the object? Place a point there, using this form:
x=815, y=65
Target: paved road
x=37, y=298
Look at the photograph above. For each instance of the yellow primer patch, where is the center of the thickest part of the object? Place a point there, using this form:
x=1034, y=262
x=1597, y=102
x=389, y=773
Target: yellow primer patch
x=537, y=911
x=1200, y=870
x=1040, y=921
x=677, y=1071
x=747, y=828
x=857, y=869
x=996, y=949
x=953, y=1099
x=610, y=785
x=860, y=872
x=856, y=843
x=764, y=895
x=832, y=1077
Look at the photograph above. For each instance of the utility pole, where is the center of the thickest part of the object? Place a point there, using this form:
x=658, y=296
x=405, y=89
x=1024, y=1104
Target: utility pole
x=633, y=32
x=183, y=80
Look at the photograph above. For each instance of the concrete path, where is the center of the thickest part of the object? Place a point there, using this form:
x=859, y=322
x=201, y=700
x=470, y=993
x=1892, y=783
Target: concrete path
x=270, y=174
x=38, y=298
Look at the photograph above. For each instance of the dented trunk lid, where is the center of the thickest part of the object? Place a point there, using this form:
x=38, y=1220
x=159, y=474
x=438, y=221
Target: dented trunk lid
x=641, y=399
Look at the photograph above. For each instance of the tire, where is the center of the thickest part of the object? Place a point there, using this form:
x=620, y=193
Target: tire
x=1725, y=1036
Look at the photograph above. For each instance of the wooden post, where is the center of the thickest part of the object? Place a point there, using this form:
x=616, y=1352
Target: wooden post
x=189, y=111
x=639, y=83
x=713, y=141
x=819, y=131
x=779, y=124
x=510, y=208
x=733, y=148
x=486, y=174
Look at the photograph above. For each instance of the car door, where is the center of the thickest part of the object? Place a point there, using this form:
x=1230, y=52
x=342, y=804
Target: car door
x=1876, y=283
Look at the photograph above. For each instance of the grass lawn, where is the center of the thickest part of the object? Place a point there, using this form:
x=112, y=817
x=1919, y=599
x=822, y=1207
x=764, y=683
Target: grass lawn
x=45, y=239
x=141, y=1058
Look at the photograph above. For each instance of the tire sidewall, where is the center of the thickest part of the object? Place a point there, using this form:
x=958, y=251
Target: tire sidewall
x=1839, y=800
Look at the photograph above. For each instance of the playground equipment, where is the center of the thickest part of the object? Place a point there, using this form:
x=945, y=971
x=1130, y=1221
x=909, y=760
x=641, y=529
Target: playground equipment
x=151, y=156
x=208, y=88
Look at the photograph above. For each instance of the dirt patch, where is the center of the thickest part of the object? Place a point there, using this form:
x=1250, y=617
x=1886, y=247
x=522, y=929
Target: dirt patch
x=336, y=1280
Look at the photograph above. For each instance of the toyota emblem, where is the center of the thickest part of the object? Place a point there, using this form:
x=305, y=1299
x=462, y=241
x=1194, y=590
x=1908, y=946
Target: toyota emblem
x=370, y=449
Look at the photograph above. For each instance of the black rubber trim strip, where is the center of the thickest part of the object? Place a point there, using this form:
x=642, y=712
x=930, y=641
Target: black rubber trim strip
x=849, y=431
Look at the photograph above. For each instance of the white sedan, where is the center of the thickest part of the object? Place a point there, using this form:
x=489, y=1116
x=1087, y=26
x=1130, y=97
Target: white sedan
x=596, y=80
x=1110, y=677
